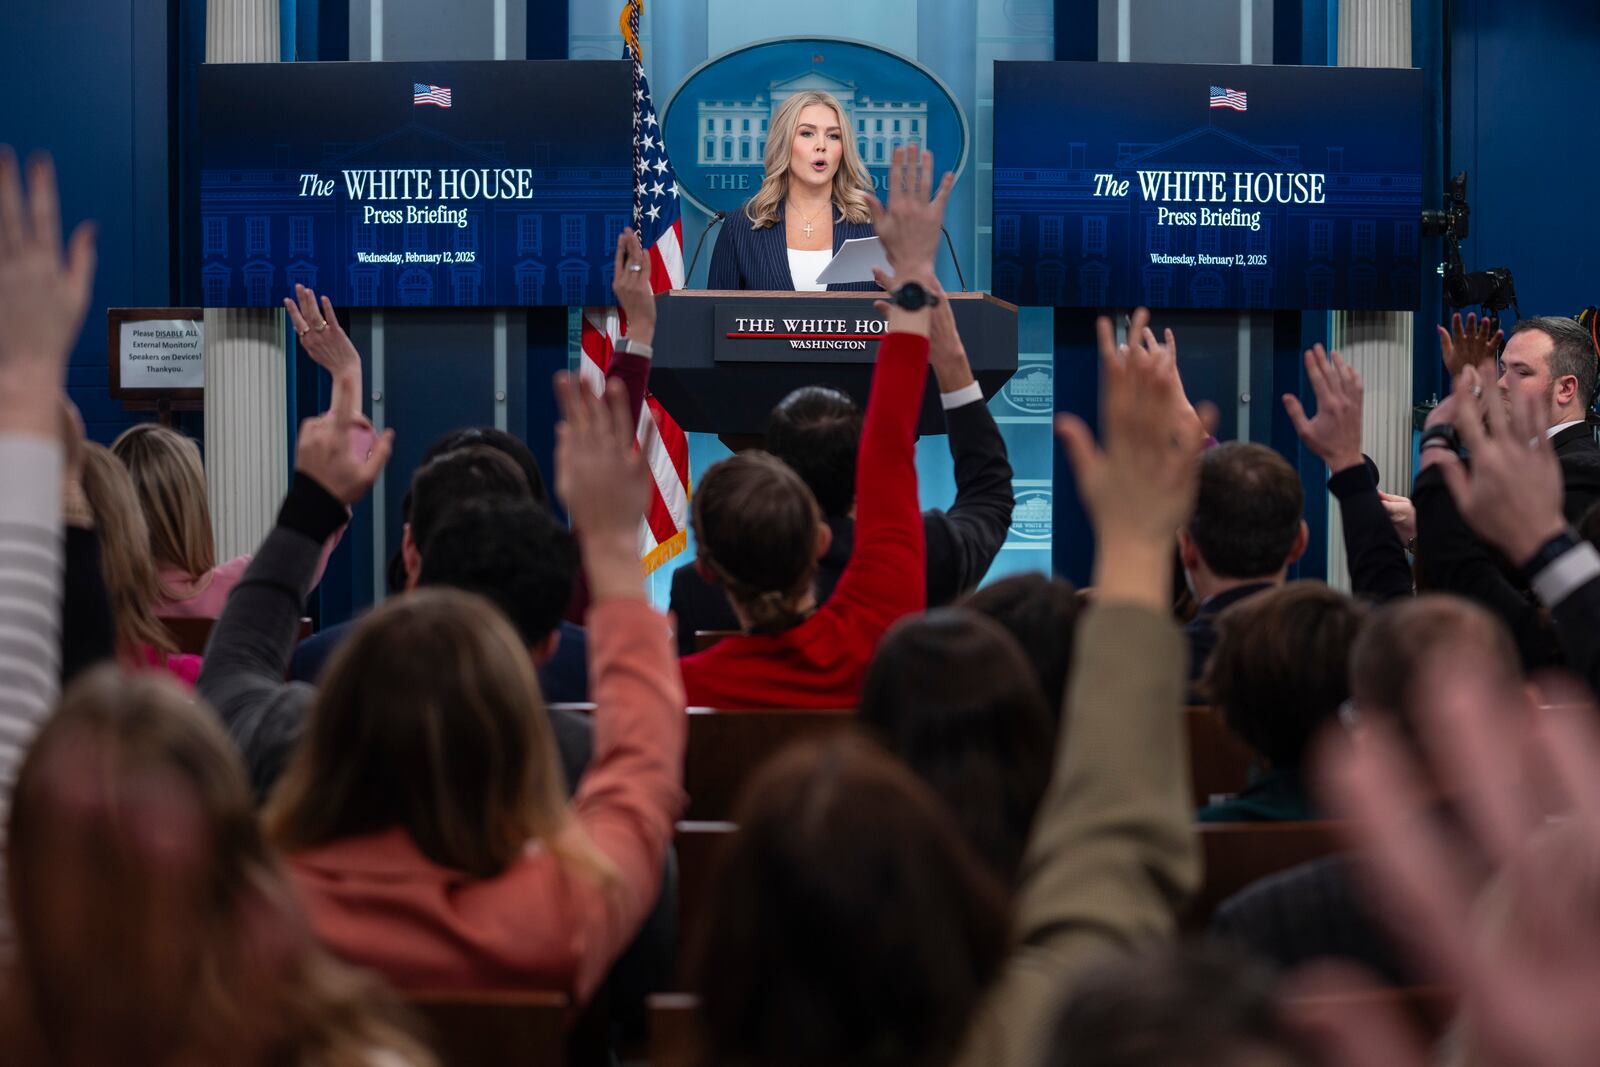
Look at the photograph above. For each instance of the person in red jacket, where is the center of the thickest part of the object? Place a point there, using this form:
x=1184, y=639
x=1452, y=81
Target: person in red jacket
x=760, y=531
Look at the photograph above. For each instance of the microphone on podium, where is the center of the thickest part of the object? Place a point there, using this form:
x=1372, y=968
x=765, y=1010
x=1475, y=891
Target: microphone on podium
x=951, y=245
x=716, y=220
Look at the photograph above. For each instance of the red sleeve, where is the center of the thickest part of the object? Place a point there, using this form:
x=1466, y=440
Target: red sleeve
x=633, y=371
x=887, y=573
x=630, y=797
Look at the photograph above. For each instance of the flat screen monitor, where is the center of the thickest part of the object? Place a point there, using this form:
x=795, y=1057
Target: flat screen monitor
x=1199, y=186
x=460, y=184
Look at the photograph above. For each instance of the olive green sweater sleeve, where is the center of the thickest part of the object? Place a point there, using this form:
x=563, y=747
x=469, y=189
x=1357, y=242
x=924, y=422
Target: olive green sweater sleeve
x=1113, y=852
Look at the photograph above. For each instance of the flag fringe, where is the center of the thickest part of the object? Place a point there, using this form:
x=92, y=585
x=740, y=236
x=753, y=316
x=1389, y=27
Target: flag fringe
x=664, y=551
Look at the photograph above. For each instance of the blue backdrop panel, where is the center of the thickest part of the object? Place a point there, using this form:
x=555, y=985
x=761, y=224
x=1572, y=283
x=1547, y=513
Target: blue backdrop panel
x=392, y=200
x=1122, y=183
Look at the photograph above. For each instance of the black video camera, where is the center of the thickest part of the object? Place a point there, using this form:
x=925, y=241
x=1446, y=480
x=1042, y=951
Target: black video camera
x=1492, y=290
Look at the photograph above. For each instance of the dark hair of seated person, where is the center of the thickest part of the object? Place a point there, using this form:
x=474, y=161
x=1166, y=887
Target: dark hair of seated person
x=1281, y=668
x=1247, y=512
x=453, y=478
x=756, y=527
x=512, y=552
x=1197, y=1005
x=1041, y=612
x=467, y=437
x=153, y=924
x=429, y=718
x=505, y=443
x=817, y=431
x=952, y=695
x=855, y=925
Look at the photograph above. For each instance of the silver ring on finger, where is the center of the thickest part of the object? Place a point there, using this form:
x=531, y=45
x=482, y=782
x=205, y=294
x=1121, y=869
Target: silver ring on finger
x=635, y=267
x=323, y=325
x=302, y=334
x=1533, y=442
x=1477, y=392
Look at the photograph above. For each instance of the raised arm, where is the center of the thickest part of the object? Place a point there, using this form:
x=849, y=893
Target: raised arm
x=886, y=576
x=632, y=794
x=964, y=539
x=1113, y=852
x=250, y=646
x=1511, y=497
x=43, y=295
x=1377, y=559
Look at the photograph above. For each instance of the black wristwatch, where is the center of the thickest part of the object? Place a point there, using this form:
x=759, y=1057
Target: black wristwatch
x=1548, y=553
x=1445, y=433
x=913, y=296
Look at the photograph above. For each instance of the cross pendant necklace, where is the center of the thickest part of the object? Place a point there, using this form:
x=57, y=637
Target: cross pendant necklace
x=806, y=229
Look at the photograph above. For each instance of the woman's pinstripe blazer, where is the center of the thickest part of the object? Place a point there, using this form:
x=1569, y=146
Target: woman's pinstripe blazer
x=748, y=258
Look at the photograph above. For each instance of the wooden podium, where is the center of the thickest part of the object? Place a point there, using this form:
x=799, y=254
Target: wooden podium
x=724, y=358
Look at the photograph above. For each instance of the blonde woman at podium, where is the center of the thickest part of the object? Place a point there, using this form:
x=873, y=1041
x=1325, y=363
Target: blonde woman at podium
x=812, y=200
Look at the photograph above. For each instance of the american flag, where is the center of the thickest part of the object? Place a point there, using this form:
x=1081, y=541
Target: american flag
x=1232, y=98
x=437, y=95
x=655, y=217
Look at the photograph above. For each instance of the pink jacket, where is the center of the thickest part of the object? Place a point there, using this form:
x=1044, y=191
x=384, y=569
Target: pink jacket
x=378, y=901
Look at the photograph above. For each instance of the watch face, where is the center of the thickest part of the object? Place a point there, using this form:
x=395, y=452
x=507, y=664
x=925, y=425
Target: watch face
x=911, y=296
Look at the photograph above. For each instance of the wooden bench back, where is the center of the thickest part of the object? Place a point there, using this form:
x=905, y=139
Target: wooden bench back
x=724, y=747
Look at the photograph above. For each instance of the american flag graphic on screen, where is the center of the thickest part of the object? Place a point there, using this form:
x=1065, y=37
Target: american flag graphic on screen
x=1229, y=98
x=434, y=95
x=655, y=217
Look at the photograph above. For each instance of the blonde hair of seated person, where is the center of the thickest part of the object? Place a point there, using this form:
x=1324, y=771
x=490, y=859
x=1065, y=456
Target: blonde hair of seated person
x=169, y=479
x=129, y=569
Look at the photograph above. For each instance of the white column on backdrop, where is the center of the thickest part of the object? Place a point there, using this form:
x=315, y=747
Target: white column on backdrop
x=246, y=399
x=1375, y=33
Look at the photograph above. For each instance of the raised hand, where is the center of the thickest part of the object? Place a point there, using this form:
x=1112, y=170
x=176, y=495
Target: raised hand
x=325, y=341
x=630, y=279
x=1140, y=487
x=1184, y=415
x=909, y=225
x=1471, y=345
x=1334, y=434
x=1529, y=992
x=323, y=453
x=1512, y=495
x=604, y=483
x=946, y=354
x=43, y=294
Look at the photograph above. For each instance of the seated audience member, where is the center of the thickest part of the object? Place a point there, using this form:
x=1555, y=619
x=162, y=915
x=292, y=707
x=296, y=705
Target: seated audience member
x=951, y=694
x=44, y=291
x=129, y=570
x=153, y=925
x=1245, y=532
x=1111, y=856
x=759, y=531
x=855, y=924
x=1196, y=1006
x=1041, y=612
x=1374, y=547
x=88, y=627
x=171, y=485
x=1527, y=987
x=423, y=812
x=1551, y=364
x=817, y=432
x=1511, y=497
x=170, y=477
x=1315, y=909
x=1279, y=674
x=542, y=567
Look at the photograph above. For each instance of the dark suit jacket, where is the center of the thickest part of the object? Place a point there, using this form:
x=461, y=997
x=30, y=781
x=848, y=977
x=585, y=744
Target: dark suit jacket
x=1201, y=632
x=961, y=542
x=1377, y=561
x=1451, y=558
x=748, y=258
x=564, y=679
